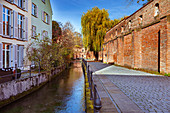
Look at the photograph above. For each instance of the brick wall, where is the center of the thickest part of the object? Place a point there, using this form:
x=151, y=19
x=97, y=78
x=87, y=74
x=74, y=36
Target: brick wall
x=142, y=39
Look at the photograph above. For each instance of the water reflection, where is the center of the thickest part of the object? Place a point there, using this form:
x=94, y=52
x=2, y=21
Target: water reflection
x=63, y=95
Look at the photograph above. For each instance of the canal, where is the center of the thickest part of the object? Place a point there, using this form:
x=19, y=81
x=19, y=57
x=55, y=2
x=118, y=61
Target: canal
x=64, y=94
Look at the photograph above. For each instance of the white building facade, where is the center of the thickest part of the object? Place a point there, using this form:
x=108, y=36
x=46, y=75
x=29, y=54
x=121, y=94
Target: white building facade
x=16, y=29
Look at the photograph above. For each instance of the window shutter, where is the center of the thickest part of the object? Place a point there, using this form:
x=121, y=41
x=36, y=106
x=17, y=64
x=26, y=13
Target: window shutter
x=15, y=24
x=10, y=25
x=16, y=2
x=26, y=5
x=1, y=55
x=16, y=55
x=13, y=52
x=26, y=28
x=1, y=19
x=48, y=19
x=42, y=15
x=20, y=56
x=10, y=56
x=37, y=10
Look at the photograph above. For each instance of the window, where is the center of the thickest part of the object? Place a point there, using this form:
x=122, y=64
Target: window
x=116, y=32
x=156, y=9
x=6, y=21
x=20, y=26
x=20, y=3
x=45, y=17
x=129, y=24
x=43, y=1
x=34, y=10
x=6, y=55
x=122, y=29
x=33, y=31
x=9, y=0
x=44, y=34
x=140, y=19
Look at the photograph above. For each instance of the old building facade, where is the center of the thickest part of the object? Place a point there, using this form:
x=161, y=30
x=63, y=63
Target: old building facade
x=141, y=40
x=41, y=19
x=16, y=20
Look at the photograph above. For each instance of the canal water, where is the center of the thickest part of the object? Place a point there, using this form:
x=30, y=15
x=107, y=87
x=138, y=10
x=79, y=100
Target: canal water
x=62, y=95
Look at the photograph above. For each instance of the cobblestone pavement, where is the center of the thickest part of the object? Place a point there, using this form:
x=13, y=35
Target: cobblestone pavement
x=150, y=93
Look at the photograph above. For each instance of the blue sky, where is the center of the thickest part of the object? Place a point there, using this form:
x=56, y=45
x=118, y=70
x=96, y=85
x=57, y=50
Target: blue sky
x=72, y=10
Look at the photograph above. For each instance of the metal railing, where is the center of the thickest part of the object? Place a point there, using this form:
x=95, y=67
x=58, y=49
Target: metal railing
x=13, y=73
x=94, y=95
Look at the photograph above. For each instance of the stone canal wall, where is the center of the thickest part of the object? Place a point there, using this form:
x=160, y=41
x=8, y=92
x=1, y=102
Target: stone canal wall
x=13, y=90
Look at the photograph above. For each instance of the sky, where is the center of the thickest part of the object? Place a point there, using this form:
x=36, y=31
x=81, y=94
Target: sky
x=72, y=10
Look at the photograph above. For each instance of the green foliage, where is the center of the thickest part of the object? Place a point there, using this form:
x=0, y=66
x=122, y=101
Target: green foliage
x=44, y=52
x=138, y=1
x=56, y=29
x=95, y=23
x=167, y=74
x=50, y=54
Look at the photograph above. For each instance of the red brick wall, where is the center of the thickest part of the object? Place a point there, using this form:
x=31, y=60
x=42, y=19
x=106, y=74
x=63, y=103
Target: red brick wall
x=137, y=46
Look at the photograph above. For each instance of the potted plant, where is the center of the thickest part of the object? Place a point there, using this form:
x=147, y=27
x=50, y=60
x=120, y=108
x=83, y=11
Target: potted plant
x=18, y=73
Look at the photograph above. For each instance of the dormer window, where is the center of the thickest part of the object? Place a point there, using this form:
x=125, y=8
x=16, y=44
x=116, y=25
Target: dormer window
x=156, y=9
x=129, y=24
x=140, y=19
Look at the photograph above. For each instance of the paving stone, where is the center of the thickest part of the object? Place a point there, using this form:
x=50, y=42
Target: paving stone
x=149, y=92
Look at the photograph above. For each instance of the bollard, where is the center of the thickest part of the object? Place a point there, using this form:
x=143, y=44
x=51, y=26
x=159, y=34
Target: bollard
x=97, y=102
x=88, y=70
x=90, y=83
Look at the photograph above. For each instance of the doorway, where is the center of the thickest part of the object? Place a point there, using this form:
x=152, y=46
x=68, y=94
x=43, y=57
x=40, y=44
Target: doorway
x=159, y=51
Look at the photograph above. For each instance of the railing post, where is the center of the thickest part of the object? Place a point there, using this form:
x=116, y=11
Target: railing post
x=30, y=70
x=39, y=66
x=15, y=71
x=88, y=70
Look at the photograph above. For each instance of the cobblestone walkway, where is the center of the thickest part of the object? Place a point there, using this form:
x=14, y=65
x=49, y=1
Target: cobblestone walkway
x=151, y=93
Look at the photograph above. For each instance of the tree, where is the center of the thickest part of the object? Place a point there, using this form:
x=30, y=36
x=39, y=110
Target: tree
x=56, y=30
x=45, y=53
x=77, y=40
x=94, y=24
x=139, y=1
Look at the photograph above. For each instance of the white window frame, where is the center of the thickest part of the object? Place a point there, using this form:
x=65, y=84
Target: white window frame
x=34, y=10
x=20, y=26
x=5, y=32
x=5, y=62
x=20, y=3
